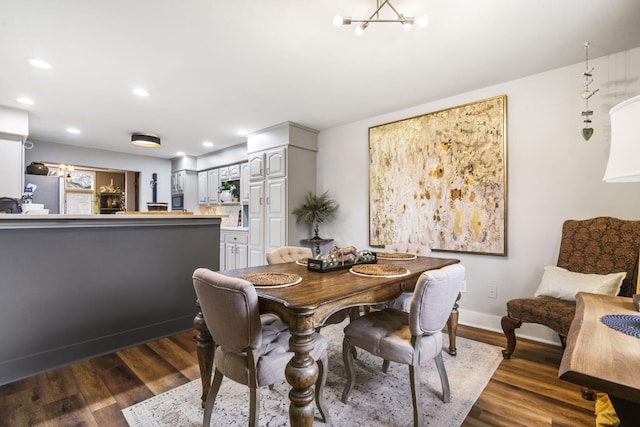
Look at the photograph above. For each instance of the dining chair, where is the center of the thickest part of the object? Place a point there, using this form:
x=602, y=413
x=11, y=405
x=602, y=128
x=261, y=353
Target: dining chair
x=288, y=254
x=403, y=301
x=408, y=338
x=252, y=349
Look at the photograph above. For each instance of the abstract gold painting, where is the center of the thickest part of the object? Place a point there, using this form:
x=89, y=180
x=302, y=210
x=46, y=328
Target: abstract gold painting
x=441, y=178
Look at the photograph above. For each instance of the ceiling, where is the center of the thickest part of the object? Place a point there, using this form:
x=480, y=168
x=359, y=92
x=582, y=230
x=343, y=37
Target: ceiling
x=215, y=67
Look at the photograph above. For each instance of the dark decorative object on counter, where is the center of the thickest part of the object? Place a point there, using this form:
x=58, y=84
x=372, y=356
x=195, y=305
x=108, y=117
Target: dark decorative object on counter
x=36, y=168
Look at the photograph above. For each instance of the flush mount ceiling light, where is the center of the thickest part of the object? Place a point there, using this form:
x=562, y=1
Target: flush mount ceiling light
x=406, y=21
x=145, y=139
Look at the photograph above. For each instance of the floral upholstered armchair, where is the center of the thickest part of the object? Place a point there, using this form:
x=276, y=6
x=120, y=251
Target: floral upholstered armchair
x=600, y=246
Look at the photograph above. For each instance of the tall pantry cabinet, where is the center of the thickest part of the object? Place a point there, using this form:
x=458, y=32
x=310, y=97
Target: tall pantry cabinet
x=282, y=169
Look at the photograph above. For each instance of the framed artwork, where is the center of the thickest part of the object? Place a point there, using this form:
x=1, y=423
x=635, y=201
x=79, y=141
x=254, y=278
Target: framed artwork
x=441, y=178
x=80, y=180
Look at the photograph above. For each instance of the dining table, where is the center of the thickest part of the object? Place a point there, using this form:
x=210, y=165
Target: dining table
x=306, y=306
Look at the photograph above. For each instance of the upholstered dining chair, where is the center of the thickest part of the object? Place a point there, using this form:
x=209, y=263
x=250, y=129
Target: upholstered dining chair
x=288, y=254
x=403, y=301
x=598, y=246
x=252, y=349
x=408, y=338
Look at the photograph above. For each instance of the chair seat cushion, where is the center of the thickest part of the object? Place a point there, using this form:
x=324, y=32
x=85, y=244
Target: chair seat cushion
x=554, y=313
x=386, y=334
x=273, y=355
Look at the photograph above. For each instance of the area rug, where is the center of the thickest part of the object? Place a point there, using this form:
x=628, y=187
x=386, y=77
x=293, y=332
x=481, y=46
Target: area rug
x=378, y=399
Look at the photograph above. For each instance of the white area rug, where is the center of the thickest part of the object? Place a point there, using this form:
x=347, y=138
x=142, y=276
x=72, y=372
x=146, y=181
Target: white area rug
x=377, y=399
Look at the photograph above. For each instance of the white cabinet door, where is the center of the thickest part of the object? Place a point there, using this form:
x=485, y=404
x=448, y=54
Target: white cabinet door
x=203, y=191
x=11, y=172
x=276, y=163
x=256, y=166
x=180, y=181
x=276, y=214
x=256, y=224
x=244, y=183
x=223, y=254
x=234, y=172
x=230, y=255
x=241, y=256
x=223, y=174
x=213, y=183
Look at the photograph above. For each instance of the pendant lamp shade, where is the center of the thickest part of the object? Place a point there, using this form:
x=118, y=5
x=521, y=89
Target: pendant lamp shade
x=624, y=154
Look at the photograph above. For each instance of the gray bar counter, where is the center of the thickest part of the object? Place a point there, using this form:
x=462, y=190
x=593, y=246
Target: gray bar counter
x=74, y=287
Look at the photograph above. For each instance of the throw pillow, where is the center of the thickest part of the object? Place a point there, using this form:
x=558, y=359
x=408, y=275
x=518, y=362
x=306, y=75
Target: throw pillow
x=564, y=284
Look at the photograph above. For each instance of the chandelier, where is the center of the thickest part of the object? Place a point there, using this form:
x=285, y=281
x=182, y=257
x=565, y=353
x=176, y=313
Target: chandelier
x=406, y=21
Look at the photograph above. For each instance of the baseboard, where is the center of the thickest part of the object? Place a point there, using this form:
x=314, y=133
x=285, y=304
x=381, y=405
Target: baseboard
x=16, y=369
x=492, y=323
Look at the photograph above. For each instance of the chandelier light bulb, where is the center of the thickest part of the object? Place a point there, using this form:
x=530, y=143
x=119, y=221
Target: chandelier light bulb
x=407, y=26
x=337, y=20
x=360, y=28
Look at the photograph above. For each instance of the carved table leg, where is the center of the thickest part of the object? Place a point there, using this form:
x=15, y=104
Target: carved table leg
x=301, y=371
x=508, y=327
x=452, y=327
x=205, y=348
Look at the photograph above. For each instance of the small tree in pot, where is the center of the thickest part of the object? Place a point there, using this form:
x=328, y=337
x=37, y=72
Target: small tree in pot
x=315, y=210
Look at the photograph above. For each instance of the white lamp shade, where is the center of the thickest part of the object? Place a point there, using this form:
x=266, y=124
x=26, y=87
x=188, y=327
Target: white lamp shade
x=624, y=154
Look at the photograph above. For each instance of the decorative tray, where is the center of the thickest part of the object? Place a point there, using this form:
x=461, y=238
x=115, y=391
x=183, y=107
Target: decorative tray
x=322, y=266
x=272, y=280
x=396, y=256
x=379, y=270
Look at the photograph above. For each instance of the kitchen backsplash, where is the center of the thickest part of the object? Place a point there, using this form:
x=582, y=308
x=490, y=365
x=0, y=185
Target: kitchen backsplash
x=235, y=218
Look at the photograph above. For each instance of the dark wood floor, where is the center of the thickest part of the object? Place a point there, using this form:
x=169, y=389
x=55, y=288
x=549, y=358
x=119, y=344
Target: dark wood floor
x=524, y=391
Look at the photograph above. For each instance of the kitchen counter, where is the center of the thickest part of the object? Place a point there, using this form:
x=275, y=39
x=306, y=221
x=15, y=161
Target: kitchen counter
x=75, y=287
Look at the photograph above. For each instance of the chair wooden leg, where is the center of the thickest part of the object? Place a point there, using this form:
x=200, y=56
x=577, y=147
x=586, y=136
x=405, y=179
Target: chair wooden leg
x=320, y=383
x=254, y=401
x=347, y=357
x=444, y=379
x=414, y=381
x=385, y=366
x=211, y=398
x=508, y=327
x=452, y=327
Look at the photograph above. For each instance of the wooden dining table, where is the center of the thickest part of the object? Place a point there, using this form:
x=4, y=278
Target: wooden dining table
x=306, y=306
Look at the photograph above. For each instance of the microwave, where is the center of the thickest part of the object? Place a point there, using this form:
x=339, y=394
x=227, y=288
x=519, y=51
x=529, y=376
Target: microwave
x=177, y=202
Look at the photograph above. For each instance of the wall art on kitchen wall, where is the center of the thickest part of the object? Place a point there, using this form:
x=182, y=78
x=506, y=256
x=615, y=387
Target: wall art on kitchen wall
x=441, y=176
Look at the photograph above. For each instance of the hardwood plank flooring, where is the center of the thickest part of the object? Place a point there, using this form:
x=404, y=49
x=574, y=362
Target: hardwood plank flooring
x=524, y=391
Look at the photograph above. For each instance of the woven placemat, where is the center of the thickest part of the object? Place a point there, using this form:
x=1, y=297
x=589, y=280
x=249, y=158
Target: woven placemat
x=379, y=270
x=272, y=279
x=395, y=256
x=626, y=323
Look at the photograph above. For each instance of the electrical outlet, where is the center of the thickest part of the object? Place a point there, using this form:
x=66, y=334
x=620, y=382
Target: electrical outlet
x=493, y=291
x=463, y=286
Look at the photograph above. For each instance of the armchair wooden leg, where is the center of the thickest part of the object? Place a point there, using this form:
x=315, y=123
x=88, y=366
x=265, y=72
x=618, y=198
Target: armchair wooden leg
x=508, y=327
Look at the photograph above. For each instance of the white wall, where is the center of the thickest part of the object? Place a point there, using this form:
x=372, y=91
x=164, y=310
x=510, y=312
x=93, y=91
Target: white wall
x=71, y=154
x=553, y=175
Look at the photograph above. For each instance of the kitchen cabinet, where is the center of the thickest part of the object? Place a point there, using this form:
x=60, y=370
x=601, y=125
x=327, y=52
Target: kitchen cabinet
x=235, y=249
x=244, y=183
x=11, y=173
x=208, y=185
x=178, y=181
x=279, y=177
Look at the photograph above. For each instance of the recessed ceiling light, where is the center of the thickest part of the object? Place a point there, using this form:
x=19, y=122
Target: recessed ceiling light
x=39, y=63
x=73, y=131
x=179, y=153
x=140, y=91
x=25, y=100
x=208, y=144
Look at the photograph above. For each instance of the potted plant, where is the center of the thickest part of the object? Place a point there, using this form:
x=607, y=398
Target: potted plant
x=315, y=210
x=226, y=191
x=235, y=193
